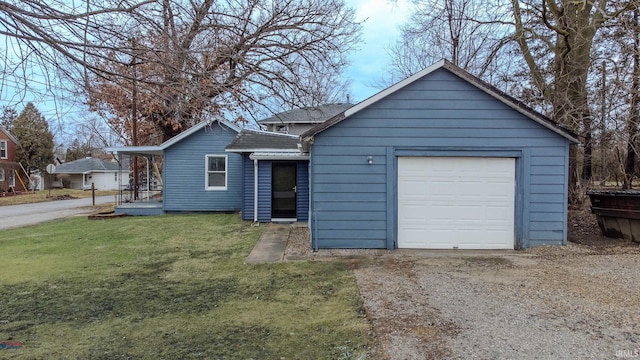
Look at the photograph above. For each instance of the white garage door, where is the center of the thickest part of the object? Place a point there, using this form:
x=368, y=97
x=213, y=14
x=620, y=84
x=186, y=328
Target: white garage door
x=456, y=203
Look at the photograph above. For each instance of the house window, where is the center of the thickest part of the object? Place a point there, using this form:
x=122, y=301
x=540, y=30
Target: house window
x=1, y=174
x=3, y=149
x=216, y=172
x=12, y=179
x=282, y=129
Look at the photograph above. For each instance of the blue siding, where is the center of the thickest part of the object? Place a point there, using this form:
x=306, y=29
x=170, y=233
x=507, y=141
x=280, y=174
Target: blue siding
x=302, y=184
x=264, y=191
x=248, y=184
x=354, y=204
x=184, y=173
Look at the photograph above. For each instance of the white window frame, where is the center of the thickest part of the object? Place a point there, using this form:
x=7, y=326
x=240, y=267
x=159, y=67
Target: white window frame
x=4, y=146
x=206, y=172
x=1, y=174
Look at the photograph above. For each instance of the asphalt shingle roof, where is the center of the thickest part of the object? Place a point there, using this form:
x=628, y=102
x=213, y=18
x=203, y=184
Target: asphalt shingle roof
x=84, y=165
x=262, y=140
x=307, y=115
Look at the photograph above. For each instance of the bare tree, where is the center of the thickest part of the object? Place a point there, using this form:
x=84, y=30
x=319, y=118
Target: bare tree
x=183, y=58
x=470, y=34
x=556, y=40
x=190, y=59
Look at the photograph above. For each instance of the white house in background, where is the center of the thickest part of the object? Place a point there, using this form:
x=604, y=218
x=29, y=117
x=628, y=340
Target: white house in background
x=103, y=174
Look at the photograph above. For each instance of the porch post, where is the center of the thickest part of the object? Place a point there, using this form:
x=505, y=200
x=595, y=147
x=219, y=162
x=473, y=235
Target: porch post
x=255, y=190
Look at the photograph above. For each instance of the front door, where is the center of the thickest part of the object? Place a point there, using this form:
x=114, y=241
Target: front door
x=283, y=191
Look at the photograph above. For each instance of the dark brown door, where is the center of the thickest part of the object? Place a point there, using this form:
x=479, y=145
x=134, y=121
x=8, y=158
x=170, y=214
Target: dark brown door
x=283, y=190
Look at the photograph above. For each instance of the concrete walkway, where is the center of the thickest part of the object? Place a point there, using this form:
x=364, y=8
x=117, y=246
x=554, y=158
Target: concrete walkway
x=271, y=245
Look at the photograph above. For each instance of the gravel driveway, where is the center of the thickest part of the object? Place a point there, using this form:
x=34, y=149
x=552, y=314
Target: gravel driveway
x=562, y=304
x=581, y=301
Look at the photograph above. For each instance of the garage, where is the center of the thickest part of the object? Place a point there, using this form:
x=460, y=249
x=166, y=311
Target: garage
x=440, y=160
x=456, y=202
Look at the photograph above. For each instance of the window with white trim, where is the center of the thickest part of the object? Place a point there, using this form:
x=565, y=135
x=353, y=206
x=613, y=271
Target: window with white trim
x=216, y=172
x=1, y=174
x=12, y=179
x=3, y=149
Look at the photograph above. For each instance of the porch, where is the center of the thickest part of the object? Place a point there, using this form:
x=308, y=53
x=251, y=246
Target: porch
x=141, y=193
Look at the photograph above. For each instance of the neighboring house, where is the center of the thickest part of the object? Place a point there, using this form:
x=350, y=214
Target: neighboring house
x=439, y=160
x=81, y=173
x=297, y=121
x=12, y=176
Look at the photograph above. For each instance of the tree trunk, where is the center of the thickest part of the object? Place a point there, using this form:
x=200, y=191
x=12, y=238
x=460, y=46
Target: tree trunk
x=570, y=95
x=634, y=116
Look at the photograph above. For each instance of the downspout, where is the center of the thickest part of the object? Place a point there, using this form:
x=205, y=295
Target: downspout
x=314, y=238
x=255, y=190
x=312, y=212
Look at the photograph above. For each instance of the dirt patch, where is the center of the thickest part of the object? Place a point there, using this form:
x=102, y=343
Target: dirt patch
x=63, y=197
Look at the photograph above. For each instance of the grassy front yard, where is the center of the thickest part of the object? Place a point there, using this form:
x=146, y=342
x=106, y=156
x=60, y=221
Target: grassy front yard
x=170, y=287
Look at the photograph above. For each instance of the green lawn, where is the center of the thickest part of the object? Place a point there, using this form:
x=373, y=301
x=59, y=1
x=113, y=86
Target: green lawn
x=170, y=287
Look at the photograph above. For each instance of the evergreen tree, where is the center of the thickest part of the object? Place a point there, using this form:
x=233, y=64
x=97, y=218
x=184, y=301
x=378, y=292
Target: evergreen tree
x=77, y=151
x=8, y=117
x=36, y=141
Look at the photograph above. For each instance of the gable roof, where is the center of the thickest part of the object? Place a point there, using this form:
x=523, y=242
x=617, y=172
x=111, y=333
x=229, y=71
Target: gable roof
x=8, y=134
x=194, y=129
x=499, y=95
x=158, y=149
x=307, y=115
x=255, y=140
x=86, y=165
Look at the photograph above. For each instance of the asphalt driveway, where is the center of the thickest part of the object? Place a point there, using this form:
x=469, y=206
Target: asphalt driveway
x=28, y=214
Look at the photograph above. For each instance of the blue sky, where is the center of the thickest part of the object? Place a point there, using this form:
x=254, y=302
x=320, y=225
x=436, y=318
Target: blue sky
x=381, y=19
x=379, y=31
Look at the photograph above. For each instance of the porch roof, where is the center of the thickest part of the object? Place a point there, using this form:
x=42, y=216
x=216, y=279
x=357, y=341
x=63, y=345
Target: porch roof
x=136, y=150
x=278, y=155
x=263, y=141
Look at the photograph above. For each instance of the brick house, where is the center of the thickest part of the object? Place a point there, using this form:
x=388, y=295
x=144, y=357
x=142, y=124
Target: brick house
x=12, y=178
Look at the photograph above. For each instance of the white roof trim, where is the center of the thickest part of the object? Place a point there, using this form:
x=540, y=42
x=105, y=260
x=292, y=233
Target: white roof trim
x=280, y=151
x=278, y=155
x=393, y=88
x=105, y=171
x=530, y=113
x=158, y=150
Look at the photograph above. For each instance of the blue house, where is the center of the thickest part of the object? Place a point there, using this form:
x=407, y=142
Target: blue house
x=197, y=173
x=439, y=160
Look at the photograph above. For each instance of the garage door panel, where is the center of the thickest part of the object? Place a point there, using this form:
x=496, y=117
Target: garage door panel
x=414, y=187
x=465, y=203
